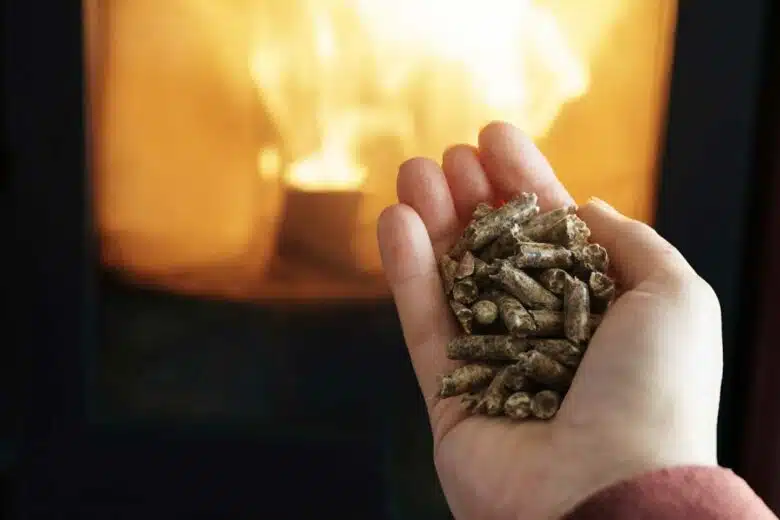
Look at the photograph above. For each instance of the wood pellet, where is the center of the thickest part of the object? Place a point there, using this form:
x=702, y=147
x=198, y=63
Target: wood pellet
x=527, y=290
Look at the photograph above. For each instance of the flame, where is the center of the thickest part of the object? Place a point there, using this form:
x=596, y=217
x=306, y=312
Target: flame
x=330, y=168
x=269, y=163
x=217, y=105
x=333, y=74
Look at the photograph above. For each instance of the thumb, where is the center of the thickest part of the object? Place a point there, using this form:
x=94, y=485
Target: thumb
x=637, y=250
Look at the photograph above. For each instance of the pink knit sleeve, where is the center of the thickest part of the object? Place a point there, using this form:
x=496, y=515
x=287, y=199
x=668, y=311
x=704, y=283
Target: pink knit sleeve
x=684, y=493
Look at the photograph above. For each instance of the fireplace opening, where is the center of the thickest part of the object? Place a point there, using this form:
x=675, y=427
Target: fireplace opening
x=240, y=153
x=244, y=149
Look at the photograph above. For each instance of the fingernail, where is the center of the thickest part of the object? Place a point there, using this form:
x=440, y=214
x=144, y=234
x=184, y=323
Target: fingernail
x=603, y=205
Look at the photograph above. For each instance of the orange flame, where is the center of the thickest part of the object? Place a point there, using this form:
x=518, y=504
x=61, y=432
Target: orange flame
x=335, y=73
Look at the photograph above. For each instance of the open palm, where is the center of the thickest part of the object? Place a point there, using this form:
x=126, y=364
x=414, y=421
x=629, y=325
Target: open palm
x=626, y=406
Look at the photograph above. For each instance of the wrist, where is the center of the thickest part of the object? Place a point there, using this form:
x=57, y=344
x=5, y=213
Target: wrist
x=592, y=466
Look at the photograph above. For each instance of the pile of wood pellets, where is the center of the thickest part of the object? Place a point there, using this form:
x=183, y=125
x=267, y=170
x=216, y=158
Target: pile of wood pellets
x=528, y=290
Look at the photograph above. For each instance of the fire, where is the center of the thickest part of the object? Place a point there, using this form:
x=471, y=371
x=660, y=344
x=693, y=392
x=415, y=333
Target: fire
x=330, y=168
x=268, y=163
x=219, y=106
x=336, y=74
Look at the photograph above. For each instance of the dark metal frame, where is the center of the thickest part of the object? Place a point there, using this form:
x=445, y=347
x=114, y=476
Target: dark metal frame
x=759, y=462
x=708, y=168
x=54, y=293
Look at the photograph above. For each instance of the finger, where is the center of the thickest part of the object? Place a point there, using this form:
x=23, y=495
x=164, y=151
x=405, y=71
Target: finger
x=636, y=249
x=514, y=164
x=468, y=182
x=422, y=186
x=411, y=271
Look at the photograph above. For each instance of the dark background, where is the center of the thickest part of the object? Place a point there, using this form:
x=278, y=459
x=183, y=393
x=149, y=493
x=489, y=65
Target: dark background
x=291, y=405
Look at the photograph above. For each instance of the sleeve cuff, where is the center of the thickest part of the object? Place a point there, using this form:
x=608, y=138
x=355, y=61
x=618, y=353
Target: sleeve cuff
x=690, y=492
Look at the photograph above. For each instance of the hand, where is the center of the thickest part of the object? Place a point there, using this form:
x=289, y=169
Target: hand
x=646, y=393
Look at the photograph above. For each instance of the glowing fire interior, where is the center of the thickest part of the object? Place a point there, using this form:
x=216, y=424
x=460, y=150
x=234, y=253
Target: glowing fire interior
x=204, y=113
x=426, y=73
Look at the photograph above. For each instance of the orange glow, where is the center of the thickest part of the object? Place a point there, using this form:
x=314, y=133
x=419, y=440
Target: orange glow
x=203, y=113
x=356, y=70
x=269, y=163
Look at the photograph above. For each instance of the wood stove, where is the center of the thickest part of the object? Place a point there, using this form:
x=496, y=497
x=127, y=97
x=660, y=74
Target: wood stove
x=194, y=188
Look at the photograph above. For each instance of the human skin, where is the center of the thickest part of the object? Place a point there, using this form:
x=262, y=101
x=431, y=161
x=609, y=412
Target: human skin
x=646, y=394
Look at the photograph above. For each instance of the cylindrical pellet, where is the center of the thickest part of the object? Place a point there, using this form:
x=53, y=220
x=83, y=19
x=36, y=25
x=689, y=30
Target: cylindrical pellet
x=602, y=290
x=466, y=379
x=576, y=311
x=541, y=256
x=550, y=323
x=463, y=314
x=593, y=257
x=537, y=227
x=482, y=271
x=569, y=231
x=481, y=232
x=486, y=348
x=545, y=404
x=465, y=291
x=485, y=312
x=447, y=268
x=481, y=210
x=561, y=350
x=517, y=380
x=471, y=400
x=544, y=370
x=515, y=317
x=492, y=402
x=465, y=266
x=518, y=405
x=553, y=280
x=505, y=245
x=602, y=286
x=520, y=285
